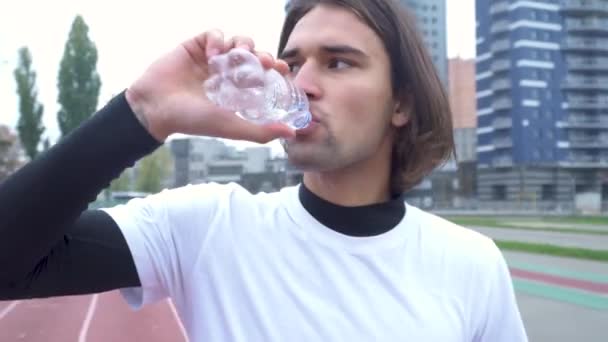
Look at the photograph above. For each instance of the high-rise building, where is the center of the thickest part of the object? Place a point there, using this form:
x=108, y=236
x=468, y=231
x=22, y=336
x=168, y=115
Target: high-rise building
x=431, y=18
x=542, y=101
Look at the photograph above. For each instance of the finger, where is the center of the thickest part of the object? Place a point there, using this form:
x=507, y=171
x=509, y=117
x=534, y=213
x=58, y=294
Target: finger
x=281, y=66
x=214, y=43
x=266, y=59
x=240, y=42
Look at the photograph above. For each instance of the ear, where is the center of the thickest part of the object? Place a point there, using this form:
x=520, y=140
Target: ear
x=401, y=114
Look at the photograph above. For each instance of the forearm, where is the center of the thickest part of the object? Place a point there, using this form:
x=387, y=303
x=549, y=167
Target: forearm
x=40, y=202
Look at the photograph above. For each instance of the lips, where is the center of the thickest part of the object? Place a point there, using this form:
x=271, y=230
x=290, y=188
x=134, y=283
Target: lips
x=314, y=123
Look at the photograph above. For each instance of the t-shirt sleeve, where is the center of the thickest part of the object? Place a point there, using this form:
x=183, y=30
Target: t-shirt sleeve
x=166, y=234
x=498, y=317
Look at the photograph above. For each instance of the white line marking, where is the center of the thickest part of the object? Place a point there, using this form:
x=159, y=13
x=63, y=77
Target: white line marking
x=87, y=320
x=179, y=322
x=8, y=309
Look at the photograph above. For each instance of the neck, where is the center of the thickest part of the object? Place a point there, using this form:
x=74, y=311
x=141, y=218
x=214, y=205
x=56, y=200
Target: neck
x=357, y=185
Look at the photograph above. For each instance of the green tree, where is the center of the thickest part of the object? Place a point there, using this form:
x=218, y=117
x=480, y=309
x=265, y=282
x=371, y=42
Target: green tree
x=153, y=170
x=9, y=152
x=122, y=183
x=78, y=80
x=29, y=126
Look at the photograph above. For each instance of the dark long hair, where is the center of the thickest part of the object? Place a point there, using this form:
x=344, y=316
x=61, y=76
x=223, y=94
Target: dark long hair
x=427, y=140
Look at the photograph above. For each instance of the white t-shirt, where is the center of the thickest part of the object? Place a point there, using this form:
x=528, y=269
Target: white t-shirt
x=243, y=267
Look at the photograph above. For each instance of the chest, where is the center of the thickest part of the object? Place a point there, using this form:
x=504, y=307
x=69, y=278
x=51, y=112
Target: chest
x=294, y=290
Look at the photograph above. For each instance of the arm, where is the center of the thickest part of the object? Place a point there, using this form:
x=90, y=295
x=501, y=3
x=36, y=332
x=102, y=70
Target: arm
x=50, y=244
x=499, y=319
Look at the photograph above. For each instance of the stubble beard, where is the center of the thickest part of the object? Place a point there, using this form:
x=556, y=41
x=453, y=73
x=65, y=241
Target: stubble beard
x=312, y=156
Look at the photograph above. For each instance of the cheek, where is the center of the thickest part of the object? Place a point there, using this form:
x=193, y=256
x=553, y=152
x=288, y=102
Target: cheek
x=362, y=111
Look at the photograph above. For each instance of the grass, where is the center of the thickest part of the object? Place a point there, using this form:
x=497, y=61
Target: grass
x=570, y=252
x=499, y=223
x=600, y=220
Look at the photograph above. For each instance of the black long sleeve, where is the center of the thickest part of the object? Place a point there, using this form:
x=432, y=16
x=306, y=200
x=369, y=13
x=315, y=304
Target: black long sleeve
x=50, y=244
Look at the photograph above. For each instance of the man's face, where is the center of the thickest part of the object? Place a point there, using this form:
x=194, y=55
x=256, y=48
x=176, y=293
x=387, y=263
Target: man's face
x=343, y=67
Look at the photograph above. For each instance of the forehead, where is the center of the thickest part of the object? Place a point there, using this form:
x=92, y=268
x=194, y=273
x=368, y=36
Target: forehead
x=325, y=25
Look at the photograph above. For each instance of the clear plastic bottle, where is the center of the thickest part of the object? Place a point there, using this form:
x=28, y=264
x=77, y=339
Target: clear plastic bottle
x=238, y=82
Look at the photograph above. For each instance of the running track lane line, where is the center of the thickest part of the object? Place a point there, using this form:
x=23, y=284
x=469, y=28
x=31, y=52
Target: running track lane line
x=87, y=320
x=598, y=288
x=8, y=309
x=179, y=321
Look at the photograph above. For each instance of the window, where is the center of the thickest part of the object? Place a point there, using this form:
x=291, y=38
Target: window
x=499, y=192
x=533, y=93
x=533, y=35
x=534, y=113
x=534, y=74
x=534, y=54
x=548, y=192
x=545, y=16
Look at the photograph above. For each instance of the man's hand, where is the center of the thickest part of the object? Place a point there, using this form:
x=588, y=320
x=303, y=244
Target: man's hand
x=170, y=98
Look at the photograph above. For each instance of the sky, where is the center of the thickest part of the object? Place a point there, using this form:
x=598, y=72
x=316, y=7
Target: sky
x=130, y=34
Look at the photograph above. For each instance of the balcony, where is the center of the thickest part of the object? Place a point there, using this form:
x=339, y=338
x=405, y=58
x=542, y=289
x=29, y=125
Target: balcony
x=597, y=83
x=592, y=142
x=500, y=45
x=499, y=7
x=500, y=65
x=586, y=103
x=585, y=6
x=588, y=64
x=502, y=123
x=501, y=84
x=502, y=104
x=580, y=44
x=499, y=26
x=505, y=142
x=587, y=25
x=583, y=122
x=504, y=161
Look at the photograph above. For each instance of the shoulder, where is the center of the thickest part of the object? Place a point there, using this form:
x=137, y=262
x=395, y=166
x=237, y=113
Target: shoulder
x=464, y=246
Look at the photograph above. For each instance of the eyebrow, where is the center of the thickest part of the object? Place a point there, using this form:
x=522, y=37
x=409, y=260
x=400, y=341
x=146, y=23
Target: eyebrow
x=332, y=49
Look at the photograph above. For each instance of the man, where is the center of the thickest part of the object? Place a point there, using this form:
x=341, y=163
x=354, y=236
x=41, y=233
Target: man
x=338, y=258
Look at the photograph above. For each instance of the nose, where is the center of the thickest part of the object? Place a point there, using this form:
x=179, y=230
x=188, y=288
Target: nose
x=307, y=79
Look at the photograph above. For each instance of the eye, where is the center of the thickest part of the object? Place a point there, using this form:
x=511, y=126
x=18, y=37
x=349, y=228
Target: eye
x=337, y=63
x=293, y=68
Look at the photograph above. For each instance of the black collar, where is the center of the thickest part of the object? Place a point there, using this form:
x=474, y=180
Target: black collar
x=367, y=220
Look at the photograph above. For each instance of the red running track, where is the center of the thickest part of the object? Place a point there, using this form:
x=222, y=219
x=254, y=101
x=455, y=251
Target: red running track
x=92, y=318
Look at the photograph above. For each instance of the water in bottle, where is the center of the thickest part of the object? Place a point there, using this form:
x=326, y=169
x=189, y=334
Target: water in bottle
x=238, y=82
